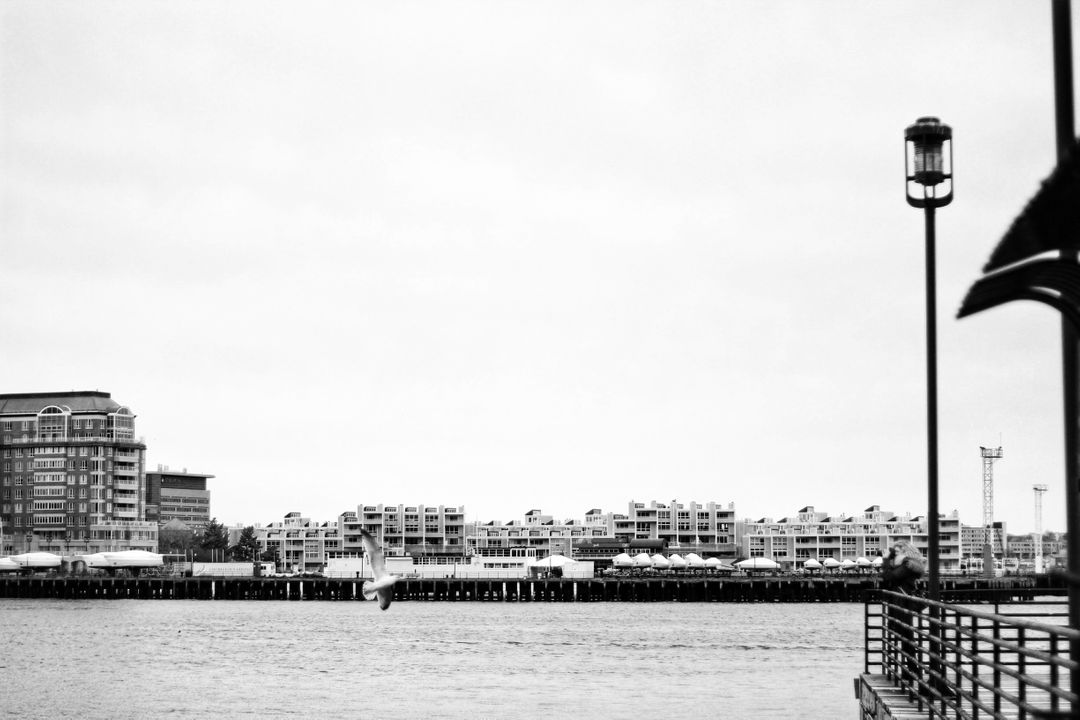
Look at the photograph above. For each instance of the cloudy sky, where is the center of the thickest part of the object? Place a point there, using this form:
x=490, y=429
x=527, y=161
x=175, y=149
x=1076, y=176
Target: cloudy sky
x=515, y=255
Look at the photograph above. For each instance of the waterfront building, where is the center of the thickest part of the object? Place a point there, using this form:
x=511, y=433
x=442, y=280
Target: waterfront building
x=536, y=532
x=791, y=541
x=705, y=528
x=177, y=495
x=708, y=529
x=1022, y=547
x=973, y=539
x=72, y=478
x=300, y=544
x=434, y=532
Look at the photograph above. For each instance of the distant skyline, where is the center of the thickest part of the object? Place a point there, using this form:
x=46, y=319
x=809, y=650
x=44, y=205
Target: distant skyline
x=530, y=255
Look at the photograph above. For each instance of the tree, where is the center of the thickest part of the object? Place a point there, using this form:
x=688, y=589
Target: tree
x=247, y=547
x=175, y=538
x=214, y=540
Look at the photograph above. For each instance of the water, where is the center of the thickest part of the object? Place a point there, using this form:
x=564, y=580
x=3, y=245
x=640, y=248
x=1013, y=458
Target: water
x=199, y=659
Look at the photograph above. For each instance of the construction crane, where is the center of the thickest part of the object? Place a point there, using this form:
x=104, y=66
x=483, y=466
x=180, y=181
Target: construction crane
x=1039, y=490
x=989, y=455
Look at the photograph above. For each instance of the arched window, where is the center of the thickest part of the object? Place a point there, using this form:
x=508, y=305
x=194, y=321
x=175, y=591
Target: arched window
x=122, y=424
x=53, y=422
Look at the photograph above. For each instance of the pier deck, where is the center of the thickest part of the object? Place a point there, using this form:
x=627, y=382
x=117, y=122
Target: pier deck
x=669, y=589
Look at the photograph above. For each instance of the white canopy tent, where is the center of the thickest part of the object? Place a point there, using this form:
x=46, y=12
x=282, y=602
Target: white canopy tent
x=36, y=560
x=552, y=561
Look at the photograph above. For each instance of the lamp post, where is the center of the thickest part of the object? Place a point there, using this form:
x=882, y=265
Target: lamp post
x=929, y=185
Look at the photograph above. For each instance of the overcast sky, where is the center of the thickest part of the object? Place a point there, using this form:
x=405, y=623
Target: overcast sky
x=516, y=255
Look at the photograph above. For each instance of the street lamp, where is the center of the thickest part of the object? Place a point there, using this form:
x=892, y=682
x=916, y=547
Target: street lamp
x=929, y=185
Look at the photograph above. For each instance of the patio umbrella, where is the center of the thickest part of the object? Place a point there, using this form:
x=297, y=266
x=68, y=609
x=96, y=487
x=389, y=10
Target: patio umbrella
x=847, y=564
x=642, y=560
x=862, y=562
x=812, y=564
x=660, y=562
x=677, y=562
x=694, y=561
x=877, y=562
x=830, y=563
x=8, y=565
x=717, y=565
x=622, y=561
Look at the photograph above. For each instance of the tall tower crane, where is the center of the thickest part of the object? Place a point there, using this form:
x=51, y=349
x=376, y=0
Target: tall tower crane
x=989, y=455
x=1039, y=490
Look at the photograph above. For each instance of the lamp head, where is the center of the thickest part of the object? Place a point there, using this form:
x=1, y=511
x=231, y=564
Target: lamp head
x=928, y=163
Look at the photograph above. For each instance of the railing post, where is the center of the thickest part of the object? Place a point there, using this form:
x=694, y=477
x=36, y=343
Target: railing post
x=997, y=666
x=975, y=687
x=1021, y=663
x=1054, y=677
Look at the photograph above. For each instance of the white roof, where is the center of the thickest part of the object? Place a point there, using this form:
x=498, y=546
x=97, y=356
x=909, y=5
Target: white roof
x=757, y=563
x=37, y=559
x=694, y=560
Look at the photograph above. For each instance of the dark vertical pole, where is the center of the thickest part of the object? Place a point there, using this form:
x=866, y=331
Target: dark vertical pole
x=1066, y=137
x=933, y=539
x=933, y=557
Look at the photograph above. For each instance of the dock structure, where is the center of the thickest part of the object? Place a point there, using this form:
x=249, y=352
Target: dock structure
x=927, y=659
x=624, y=589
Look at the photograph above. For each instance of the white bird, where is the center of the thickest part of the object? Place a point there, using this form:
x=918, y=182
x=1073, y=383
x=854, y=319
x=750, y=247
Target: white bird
x=383, y=583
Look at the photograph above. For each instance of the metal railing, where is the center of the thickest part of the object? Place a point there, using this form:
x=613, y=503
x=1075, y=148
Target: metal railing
x=956, y=661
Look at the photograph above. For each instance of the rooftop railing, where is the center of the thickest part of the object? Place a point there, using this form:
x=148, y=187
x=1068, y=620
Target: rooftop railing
x=956, y=661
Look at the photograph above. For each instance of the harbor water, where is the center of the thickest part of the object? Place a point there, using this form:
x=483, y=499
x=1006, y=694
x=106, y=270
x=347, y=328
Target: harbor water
x=192, y=659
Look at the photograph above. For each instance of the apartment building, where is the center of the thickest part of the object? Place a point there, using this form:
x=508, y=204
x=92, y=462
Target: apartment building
x=72, y=478
x=791, y=541
x=300, y=544
x=541, y=534
x=436, y=532
x=705, y=528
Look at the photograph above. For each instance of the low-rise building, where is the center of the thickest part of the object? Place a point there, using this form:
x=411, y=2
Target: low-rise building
x=791, y=541
x=299, y=544
x=436, y=532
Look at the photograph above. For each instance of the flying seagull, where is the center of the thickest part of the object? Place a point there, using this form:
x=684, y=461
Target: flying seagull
x=383, y=583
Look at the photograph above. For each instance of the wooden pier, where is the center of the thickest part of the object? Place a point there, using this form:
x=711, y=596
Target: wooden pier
x=624, y=589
